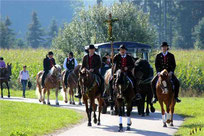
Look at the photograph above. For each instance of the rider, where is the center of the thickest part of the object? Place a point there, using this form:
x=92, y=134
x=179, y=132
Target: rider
x=92, y=62
x=69, y=64
x=125, y=62
x=48, y=63
x=165, y=60
x=2, y=63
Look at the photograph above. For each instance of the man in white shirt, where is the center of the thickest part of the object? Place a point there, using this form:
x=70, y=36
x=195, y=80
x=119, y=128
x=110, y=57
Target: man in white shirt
x=69, y=64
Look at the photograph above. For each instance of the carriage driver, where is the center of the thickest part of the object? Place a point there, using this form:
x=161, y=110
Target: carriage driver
x=69, y=64
x=125, y=62
x=92, y=62
x=48, y=63
x=165, y=60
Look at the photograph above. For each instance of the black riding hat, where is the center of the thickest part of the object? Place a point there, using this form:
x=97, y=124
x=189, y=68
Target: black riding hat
x=50, y=53
x=122, y=47
x=91, y=46
x=164, y=44
x=71, y=53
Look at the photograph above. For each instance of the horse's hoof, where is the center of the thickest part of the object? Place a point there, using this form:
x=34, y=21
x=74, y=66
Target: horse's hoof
x=128, y=128
x=48, y=103
x=152, y=109
x=89, y=124
x=164, y=125
x=80, y=103
x=73, y=103
x=44, y=102
x=172, y=124
x=120, y=128
x=8, y=96
x=112, y=112
x=99, y=124
x=65, y=101
x=168, y=121
x=57, y=103
x=95, y=121
x=143, y=115
x=2, y=97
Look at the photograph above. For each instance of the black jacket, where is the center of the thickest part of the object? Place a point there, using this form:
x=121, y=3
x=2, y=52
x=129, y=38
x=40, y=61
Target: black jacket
x=118, y=63
x=170, y=64
x=95, y=63
x=47, y=65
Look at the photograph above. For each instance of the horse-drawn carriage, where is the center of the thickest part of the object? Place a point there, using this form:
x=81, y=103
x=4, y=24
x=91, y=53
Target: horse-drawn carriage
x=136, y=50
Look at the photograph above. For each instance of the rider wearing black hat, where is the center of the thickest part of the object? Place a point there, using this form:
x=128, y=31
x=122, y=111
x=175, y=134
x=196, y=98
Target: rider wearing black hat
x=92, y=62
x=48, y=63
x=165, y=60
x=125, y=62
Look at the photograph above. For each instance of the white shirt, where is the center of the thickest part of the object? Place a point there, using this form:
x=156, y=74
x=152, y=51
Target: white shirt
x=65, y=63
x=24, y=75
x=123, y=56
x=164, y=54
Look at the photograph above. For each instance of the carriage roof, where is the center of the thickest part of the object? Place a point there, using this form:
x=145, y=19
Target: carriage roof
x=132, y=45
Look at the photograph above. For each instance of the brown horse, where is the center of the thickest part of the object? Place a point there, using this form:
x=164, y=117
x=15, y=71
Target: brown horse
x=90, y=84
x=4, y=78
x=125, y=93
x=52, y=81
x=72, y=84
x=165, y=96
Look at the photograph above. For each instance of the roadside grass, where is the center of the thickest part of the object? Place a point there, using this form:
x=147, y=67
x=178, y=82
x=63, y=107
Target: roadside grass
x=192, y=109
x=26, y=119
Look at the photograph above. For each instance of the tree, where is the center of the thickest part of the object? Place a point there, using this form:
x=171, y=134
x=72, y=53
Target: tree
x=7, y=36
x=199, y=34
x=133, y=25
x=35, y=33
x=53, y=30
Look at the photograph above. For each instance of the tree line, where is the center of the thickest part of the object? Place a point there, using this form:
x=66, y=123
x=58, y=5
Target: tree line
x=180, y=23
x=36, y=36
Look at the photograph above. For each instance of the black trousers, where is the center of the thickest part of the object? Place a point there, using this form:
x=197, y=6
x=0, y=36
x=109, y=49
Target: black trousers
x=43, y=78
x=175, y=82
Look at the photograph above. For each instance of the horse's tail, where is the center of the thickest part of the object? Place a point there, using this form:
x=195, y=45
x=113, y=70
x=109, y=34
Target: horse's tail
x=38, y=90
x=107, y=76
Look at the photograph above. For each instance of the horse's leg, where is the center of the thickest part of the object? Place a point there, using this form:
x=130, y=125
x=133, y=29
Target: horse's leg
x=43, y=96
x=147, y=108
x=70, y=100
x=85, y=99
x=90, y=109
x=172, y=114
x=2, y=96
x=94, y=110
x=120, y=116
x=72, y=94
x=65, y=94
x=142, y=105
x=100, y=101
x=168, y=114
x=48, y=96
x=56, y=94
x=129, y=110
x=8, y=89
x=163, y=113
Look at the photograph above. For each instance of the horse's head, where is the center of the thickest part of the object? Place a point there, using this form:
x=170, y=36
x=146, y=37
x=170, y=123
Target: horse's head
x=56, y=71
x=9, y=68
x=164, y=81
x=137, y=71
x=121, y=83
x=83, y=78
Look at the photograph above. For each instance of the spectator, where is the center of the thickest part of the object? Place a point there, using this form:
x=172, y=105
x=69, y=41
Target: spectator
x=23, y=78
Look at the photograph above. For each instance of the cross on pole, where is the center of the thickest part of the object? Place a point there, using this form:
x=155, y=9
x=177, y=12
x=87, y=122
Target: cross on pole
x=110, y=22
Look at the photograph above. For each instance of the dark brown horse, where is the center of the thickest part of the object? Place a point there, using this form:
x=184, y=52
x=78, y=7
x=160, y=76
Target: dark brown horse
x=52, y=81
x=5, y=74
x=165, y=96
x=125, y=94
x=90, y=84
x=143, y=74
x=72, y=83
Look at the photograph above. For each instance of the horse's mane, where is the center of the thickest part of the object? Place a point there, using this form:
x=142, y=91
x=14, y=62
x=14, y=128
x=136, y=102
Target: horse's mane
x=164, y=72
x=53, y=68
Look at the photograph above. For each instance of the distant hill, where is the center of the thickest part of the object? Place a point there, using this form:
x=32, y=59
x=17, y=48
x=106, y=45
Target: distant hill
x=20, y=12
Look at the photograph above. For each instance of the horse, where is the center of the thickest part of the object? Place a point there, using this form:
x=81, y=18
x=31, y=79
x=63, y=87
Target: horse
x=143, y=74
x=5, y=77
x=124, y=93
x=165, y=94
x=90, y=87
x=72, y=84
x=52, y=81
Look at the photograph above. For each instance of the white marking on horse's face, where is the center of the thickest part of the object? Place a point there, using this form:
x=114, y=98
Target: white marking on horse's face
x=164, y=83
